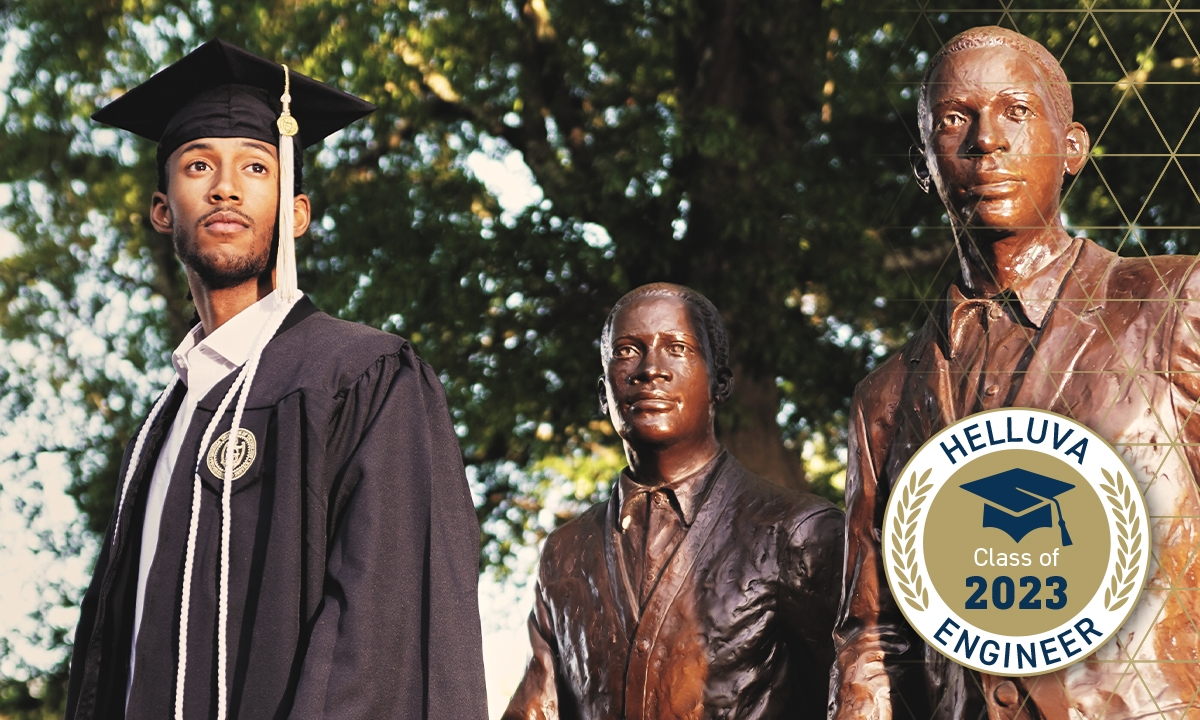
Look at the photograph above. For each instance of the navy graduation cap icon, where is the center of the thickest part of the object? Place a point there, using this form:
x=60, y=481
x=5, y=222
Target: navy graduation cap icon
x=1018, y=502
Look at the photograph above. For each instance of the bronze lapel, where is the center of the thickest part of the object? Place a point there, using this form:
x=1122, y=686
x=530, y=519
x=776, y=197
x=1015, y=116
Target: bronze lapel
x=618, y=575
x=1069, y=331
x=677, y=570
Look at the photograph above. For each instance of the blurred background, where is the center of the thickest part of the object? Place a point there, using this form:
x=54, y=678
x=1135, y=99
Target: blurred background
x=530, y=161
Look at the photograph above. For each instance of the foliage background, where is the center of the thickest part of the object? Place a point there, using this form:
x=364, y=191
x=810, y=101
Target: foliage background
x=753, y=149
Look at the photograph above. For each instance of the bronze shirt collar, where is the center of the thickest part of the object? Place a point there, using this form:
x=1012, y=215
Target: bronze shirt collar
x=1030, y=298
x=685, y=494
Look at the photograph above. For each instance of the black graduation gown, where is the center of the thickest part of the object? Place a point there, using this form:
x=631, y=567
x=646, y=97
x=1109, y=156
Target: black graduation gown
x=353, y=553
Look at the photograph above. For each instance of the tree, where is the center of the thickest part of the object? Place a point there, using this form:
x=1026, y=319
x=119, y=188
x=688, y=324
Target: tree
x=754, y=150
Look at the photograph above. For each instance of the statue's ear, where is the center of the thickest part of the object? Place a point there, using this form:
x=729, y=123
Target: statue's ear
x=1078, y=146
x=603, y=392
x=920, y=166
x=722, y=385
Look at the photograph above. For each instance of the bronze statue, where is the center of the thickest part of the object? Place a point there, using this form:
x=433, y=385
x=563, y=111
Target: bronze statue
x=699, y=590
x=1038, y=319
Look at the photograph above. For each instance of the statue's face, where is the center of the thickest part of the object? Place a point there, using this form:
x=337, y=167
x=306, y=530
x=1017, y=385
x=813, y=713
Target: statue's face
x=997, y=149
x=657, y=384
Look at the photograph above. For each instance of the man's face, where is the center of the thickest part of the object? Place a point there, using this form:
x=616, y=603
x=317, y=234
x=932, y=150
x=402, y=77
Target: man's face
x=220, y=208
x=998, y=148
x=657, y=385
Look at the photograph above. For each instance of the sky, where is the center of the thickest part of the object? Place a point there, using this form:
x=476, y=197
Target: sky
x=504, y=608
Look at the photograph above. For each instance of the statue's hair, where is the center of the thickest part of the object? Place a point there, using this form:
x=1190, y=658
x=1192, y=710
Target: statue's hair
x=993, y=36
x=714, y=326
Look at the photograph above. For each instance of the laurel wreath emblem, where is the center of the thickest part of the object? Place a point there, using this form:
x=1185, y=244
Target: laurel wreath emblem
x=904, y=541
x=1129, y=555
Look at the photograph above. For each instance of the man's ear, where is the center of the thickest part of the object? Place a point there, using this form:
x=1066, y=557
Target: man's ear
x=603, y=392
x=722, y=385
x=301, y=214
x=920, y=166
x=160, y=214
x=1078, y=146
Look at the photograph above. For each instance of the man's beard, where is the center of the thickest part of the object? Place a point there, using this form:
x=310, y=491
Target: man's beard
x=220, y=271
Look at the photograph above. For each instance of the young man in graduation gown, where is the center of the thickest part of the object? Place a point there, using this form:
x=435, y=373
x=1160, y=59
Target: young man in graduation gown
x=1036, y=319
x=699, y=590
x=323, y=562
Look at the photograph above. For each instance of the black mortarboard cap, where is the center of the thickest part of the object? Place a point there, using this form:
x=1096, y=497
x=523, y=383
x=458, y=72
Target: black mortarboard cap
x=1018, y=502
x=221, y=90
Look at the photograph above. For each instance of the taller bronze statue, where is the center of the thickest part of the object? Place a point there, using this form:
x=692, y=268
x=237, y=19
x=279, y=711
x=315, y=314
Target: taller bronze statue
x=1036, y=318
x=699, y=590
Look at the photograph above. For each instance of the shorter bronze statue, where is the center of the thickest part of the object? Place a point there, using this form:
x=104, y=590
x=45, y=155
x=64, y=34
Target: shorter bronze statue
x=699, y=590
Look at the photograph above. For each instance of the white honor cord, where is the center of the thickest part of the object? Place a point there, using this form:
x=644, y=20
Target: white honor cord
x=245, y=378
x=136, y=457
x=190, y=558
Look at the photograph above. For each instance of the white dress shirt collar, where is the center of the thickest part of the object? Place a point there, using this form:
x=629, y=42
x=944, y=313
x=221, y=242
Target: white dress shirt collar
x=226, y=348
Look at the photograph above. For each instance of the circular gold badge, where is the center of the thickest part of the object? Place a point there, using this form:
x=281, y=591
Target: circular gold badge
x=287, y=125
x=1016, y=542
x=244, y=452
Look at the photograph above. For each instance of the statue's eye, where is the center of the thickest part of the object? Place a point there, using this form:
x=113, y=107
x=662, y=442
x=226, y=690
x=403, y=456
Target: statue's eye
x=1019, y=111
x=951, y=121
x=624, y=351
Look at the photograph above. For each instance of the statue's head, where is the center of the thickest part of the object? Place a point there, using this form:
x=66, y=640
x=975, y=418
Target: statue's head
x=997, y=136
x=665, y=356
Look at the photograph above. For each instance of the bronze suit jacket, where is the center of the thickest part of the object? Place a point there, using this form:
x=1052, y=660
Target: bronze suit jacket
x=738, y=626
x=1113, y=342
